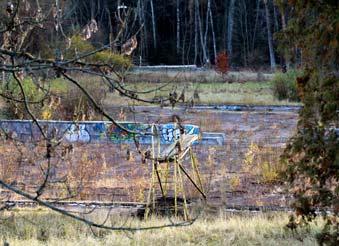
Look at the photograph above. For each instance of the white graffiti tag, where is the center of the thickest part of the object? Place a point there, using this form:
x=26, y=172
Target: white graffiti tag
x=77, y=133
x=169, y=134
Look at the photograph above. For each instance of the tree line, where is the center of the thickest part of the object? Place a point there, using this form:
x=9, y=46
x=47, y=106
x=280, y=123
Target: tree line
x=175, y=31
x=194, y=31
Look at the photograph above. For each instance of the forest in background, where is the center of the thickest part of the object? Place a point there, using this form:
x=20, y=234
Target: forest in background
x=176, y=31
x=37, y=37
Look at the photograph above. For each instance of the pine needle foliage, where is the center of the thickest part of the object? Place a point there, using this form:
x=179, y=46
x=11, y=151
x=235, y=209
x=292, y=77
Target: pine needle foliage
x=312, y=156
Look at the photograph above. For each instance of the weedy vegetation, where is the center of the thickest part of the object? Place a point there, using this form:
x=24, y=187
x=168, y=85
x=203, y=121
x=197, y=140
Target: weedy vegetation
x=40, y=227
x=285, y=85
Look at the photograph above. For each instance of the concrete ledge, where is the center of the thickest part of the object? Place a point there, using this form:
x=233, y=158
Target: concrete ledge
x=102, y=131
x=165, y=68
x=211, y=141
x=95, y=131
x=213, y=138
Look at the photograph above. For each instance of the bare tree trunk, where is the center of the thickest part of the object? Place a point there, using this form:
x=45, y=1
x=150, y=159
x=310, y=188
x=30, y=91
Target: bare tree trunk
x=256, y=24
x=243, y=37
x=195, y=36
x=184, y=47
x=276, y=22
x=286, y=56
x=142, y=33
x=203, y=46
x=207, y=20
x=110, y=26
x=153, y=25
x=178, y=26
x=246, y=33
x=226, y=24
x=269, y=37
x=213, y=35
x=57, y=29
x=145, y=29
x=230, y=23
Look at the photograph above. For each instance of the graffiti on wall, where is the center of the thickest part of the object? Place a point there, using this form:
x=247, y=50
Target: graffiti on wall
x=171, y=132
x=85, y=132
x=116, y=134
x=77, y=133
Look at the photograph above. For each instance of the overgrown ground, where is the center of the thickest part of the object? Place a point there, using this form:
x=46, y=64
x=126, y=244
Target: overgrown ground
x=41, y=227
x=242, y=172
x=202, y=92
x=254, y=93
x=201, y=87
x=244, y=87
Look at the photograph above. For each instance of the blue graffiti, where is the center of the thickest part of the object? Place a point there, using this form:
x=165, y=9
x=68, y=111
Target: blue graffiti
x=87, y=131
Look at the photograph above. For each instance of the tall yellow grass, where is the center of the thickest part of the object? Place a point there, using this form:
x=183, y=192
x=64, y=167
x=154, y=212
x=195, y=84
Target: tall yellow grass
x=46, y=228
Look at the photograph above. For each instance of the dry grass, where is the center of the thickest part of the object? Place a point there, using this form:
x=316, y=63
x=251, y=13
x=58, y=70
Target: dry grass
x=256, y=93
x=46, y=228
x=263, y=162
x=205, y=76
x=249, y=88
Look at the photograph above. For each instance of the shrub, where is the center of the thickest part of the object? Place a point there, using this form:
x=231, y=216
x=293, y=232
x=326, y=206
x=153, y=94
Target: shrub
x=63, y=101
x=73, y=104
x=263, y=162
x=285, y=86
x=116, y=60
x=80, y=46
x=17, y=109
x=221, y=63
